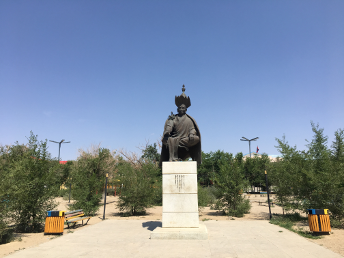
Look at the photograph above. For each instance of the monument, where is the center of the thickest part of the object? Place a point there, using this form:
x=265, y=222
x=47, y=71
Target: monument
x=181, y=140
x=181, y=136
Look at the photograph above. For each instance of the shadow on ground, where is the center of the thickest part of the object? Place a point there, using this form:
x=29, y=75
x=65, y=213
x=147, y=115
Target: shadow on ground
x=151, y=225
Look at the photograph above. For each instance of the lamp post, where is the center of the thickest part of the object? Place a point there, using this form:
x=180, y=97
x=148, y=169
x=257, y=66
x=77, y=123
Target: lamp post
x=107, y=175
x=70, y=188
x=249, y=142
x=62, y=141
x=267, y=191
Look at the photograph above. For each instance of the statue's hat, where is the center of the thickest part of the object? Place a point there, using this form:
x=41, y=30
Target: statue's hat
x=183, y=99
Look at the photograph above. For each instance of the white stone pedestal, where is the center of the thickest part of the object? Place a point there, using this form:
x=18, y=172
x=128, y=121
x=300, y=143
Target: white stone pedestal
x=180, y=219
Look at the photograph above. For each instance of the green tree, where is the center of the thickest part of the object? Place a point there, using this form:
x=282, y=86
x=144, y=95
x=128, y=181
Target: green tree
x=205, y=170
x=312, y=178
x=151, y=154
x=141, y=185
x=32, y=183
x=338, y=146
x=5, y=233
x=286, y=175
x=88, y=179
x=254, y=168
x=338, y=168
x=326, y=172
x=229, y=183
x=211, y=166
x=321, y=182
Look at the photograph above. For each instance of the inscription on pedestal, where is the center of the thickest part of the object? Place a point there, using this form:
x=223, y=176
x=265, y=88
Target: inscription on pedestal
x=179, y=182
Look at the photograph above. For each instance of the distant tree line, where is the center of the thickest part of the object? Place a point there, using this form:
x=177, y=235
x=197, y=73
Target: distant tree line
x=252, y=168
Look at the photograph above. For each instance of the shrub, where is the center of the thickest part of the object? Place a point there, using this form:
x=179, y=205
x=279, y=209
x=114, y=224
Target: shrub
x=88, y=179
x=242, y=208
x=31, y=181
x=204, y=196
x=336, y=223
x=6, y=234
x=141, y=187
x=229, y=183
x=157, y=200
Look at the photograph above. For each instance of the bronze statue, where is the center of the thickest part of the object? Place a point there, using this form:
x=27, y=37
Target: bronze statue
x=181, y=137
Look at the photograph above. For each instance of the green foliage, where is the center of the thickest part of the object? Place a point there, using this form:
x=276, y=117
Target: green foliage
x=254, y=169
x=62, y=192
x=211, y=166
x=338, y=147
x=157, y=200
x=313, y=178
x=337, y=223
x=286, y=174
x=226, y=174
x=206, y=170
x=4, y=198
x=65, y=172
x=31, y=180
x=88, y=179
x=229, y=183
x=6, y=234
x=204, y=196
x=322, y=182
x=141, y=186
x=150, y=153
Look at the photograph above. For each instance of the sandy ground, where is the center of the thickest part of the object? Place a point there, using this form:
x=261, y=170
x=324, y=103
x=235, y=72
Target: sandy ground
x=259, y=211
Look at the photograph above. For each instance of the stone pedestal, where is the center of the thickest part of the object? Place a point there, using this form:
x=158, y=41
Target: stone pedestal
x=199, y=233
x=180, y=219
x=179, y=195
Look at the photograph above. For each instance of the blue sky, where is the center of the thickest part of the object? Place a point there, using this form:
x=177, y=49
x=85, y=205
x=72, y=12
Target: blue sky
x=107, y=72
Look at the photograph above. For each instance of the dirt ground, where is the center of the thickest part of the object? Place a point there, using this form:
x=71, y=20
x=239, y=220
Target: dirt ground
x=259, y=211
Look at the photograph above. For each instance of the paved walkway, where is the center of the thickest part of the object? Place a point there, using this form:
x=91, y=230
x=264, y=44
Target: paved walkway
x=130, y=238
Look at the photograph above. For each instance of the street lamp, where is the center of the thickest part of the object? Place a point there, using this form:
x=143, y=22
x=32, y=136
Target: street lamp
x=59, y=146
x=107, y=175
x=249, y=142
x=62, y=141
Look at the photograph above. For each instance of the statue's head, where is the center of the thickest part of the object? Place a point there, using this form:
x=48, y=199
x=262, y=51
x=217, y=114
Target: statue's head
x=182, y=110
x=182, y=100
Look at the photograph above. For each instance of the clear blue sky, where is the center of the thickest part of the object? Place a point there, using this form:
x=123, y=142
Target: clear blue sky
x=107, y=72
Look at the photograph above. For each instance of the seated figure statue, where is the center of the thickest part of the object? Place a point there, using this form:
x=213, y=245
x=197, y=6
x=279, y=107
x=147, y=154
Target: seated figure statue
x=181, y=137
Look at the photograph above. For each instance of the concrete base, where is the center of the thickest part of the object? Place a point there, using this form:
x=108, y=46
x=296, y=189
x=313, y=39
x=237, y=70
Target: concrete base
x=180, y=220
x=200, y=233
x=179, y=195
